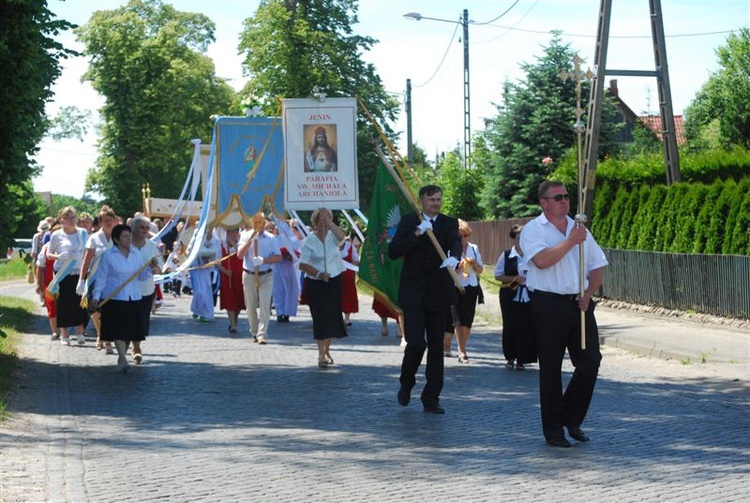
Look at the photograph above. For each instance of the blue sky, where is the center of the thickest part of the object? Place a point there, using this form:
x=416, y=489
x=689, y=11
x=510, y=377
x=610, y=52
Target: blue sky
x=427, y=52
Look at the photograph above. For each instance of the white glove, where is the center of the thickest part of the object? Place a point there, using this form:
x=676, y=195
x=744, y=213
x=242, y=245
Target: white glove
x=424, y=226
x=451, y=262
x=62, y=257
x=257, y=261
x=80, y=286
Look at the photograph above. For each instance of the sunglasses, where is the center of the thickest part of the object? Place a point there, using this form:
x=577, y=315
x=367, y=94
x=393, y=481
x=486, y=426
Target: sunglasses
x=559, y=197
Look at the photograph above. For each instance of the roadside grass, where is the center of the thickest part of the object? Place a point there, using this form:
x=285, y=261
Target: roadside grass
x=15, y=318
x=14, y=268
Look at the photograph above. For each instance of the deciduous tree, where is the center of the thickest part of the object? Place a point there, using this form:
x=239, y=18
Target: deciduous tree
x=722, y=103
x=30, y=62
x=148, y=61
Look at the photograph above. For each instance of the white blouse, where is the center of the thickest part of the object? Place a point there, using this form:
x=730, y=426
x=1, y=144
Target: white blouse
x=70, y=244
x=114, y=269
x=324, y=258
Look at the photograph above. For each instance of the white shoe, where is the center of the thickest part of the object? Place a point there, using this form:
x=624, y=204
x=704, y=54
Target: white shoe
x=262, y=340
x=81, y=340
x=65, y=342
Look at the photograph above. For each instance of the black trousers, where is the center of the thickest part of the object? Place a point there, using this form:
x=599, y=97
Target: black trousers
x=557, y=320
x=423, y=330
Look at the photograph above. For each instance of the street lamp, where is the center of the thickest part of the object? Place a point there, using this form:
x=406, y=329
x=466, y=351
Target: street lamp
x=464, y=22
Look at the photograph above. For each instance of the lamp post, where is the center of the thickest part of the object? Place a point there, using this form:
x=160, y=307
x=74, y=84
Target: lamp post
x=464, y=22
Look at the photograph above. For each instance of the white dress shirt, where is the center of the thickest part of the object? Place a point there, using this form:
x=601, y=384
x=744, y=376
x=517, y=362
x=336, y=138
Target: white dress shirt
x=268, y=246
x=562, y=277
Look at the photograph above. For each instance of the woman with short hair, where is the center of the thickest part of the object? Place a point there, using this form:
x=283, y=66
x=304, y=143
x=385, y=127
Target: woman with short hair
x=117, y=293
x=322, y=264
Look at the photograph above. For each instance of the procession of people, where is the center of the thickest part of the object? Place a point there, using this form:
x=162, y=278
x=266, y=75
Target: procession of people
x=107, y=273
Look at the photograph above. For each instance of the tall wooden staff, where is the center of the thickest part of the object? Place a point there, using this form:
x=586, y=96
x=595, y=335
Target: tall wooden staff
x=579, y=127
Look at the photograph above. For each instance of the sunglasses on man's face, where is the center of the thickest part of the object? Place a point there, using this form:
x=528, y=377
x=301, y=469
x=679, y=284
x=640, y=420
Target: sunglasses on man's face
x=559, y=197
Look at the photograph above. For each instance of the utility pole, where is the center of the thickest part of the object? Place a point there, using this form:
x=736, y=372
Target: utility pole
x=467, y=91
x=407, y=106
x=661, y=72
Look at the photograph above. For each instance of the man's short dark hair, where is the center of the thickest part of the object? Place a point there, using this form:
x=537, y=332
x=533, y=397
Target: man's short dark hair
x=428, y=190
x=548, y=184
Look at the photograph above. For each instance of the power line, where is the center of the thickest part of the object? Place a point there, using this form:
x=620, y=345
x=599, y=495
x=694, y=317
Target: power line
x=47, y=149
x=453, y=37
x=677, y=35
x=498, y=17
x=442, y=60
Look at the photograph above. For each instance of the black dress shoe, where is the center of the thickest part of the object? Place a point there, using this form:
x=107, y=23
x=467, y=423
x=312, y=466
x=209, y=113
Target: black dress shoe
x=404, y=396
x=558, y=442
x=434, y=409
x=577, y=434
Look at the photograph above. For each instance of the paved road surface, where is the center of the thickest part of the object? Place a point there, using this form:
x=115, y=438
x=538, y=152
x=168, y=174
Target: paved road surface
x=210, y=416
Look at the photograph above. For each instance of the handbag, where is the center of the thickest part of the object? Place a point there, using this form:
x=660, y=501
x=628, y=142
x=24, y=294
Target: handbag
x=30, y=275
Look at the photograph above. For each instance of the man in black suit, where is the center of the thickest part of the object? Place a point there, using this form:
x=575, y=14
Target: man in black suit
x=426, y=292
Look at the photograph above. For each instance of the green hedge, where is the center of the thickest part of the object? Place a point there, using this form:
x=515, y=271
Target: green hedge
x=682, y=218
x=648, y=169
x=633, y=209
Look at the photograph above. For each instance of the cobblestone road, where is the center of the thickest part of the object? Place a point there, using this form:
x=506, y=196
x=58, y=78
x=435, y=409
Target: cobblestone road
x=210, y=416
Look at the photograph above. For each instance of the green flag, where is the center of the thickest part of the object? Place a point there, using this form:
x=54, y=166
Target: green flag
x=376, y=270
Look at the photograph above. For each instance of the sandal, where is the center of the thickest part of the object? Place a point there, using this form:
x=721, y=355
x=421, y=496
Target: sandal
x=99, y=344
x=520, y=367
x=322, y=364
x=462, y=358
x=509, y=365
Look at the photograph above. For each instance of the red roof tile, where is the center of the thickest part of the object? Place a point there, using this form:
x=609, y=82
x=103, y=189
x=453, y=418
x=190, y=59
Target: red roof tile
x=653, y=122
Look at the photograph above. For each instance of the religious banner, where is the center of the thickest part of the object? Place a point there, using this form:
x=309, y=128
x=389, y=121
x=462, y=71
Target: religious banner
x=320, y=144
x=249, y=167
x=376, y=270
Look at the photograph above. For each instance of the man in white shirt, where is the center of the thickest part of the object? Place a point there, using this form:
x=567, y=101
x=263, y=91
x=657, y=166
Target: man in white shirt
x=259, y=250
x=551, y=246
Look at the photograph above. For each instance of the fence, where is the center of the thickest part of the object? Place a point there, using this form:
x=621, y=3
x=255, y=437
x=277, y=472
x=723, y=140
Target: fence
x=713, y=284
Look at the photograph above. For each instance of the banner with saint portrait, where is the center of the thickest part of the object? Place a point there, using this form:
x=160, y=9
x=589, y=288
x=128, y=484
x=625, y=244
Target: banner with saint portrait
x=320, y=148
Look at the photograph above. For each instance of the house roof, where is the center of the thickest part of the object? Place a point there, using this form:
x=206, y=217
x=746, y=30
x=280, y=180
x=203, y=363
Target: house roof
x=653, y=122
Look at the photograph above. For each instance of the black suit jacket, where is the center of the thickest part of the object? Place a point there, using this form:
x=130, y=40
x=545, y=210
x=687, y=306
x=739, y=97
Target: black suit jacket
x=422, y=279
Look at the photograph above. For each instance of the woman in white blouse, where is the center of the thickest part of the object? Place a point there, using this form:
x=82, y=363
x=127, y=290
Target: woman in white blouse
x=519, y=338
x=66, y=247
x=322, y=264
x=469, y=269
x=121, y=313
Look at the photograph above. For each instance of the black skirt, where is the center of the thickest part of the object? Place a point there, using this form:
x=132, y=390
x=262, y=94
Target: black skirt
x=324, y=300
x=467, y=306
x=146, y=303
x=122, y=321
x=69, y=310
